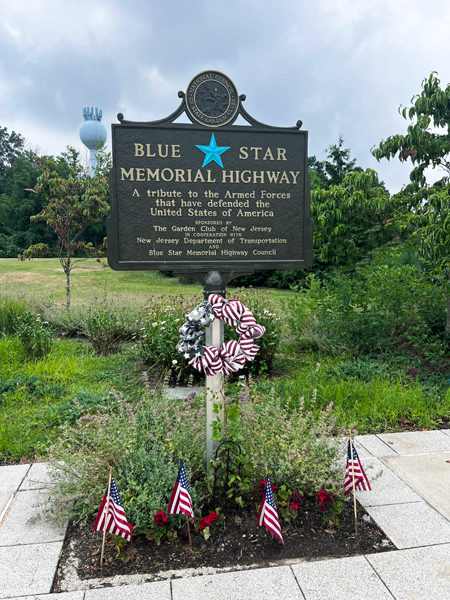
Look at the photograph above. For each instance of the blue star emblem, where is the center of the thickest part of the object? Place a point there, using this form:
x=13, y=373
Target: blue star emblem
x=213, y=152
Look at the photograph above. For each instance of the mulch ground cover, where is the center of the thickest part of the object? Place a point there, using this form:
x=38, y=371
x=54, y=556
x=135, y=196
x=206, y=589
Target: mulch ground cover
x=237, y=541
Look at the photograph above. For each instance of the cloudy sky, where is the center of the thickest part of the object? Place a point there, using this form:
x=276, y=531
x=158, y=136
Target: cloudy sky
x=341, y=66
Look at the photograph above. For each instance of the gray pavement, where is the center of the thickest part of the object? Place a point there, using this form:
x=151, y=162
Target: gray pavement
x=409, y=501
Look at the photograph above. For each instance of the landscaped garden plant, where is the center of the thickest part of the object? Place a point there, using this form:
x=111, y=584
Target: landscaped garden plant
x=157, y=331
x=34, y=334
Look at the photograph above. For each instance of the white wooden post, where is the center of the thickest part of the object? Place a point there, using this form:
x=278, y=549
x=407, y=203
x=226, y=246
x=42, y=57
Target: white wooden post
x=214, y=384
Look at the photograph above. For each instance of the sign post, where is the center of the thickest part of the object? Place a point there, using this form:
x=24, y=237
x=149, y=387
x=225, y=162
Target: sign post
x=213, y=284
x=210, y=200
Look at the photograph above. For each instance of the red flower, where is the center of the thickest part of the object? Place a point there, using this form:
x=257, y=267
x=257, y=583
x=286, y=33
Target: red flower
x=324, y=500
x=213, y=517
x=160, y=518
x=294, y=507
x=207, y=521
x=298, y=500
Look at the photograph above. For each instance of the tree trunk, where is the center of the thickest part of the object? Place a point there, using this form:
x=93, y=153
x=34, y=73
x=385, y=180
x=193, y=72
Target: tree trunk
x=68, y=290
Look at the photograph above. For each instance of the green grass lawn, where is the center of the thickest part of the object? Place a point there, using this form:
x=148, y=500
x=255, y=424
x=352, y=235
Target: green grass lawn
x=36, y=396
x=44, y=278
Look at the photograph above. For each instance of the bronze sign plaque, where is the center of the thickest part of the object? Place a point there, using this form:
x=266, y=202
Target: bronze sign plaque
x=192, y=199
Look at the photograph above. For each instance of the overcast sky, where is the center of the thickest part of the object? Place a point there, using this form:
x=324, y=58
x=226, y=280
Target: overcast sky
x=341, y=66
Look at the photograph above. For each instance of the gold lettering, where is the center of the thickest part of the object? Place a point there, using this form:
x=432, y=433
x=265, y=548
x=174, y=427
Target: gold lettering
x=243, y=155
x=160, y=151
x=153, y=174
x=294, y=176
x=199, y=177
x=128, y=174
x=225, y=175
x=268, y=154
x=148, y=151
x=136, y=193
x=273, y=176
x=249, y=178
x=170, y=177
x=140, y=175
x=176, y=151
x=256, y=152
x=281, y=154
x=139, y=149
x=284, y=177
x=260, y=177
x=179, y=174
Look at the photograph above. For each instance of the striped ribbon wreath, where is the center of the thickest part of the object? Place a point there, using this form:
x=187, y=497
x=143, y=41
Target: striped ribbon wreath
x=233, y=355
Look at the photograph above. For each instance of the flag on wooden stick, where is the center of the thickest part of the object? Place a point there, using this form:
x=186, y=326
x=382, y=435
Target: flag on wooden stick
x=268, y=515
x=180, y=501
x=116, y=521
x=354, y=470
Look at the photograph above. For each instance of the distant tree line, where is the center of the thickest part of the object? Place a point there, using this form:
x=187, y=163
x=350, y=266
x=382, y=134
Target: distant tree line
x=20, y=168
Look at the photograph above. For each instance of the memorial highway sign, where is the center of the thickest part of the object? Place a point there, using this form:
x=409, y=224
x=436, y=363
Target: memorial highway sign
x=209, y=195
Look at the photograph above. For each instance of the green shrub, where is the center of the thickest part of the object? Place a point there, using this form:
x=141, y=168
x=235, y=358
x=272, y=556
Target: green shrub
x=376, y=309
x=294, y=441
x=10, y=310
x=157, y=330
x=141, y=441
x=266, y=313
x=35, y=335
x=107, y=326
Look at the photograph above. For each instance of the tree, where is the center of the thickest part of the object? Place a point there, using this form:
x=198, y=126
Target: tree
x=422, y=211
x=424, y=147
x=350, y=218
x=317, y=173
x=339, y=163
x=73, y=203
x=12, y=145
x=17, y=205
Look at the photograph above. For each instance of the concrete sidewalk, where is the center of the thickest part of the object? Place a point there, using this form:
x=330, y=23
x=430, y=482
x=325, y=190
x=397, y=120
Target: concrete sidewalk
x=410, y=501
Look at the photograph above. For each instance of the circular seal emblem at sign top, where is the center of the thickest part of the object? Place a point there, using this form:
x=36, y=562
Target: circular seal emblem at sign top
x=212, y=99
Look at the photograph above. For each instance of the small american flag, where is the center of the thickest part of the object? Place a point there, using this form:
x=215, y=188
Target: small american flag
x=268, y=515
x=116, y=521
x=361, y=482
x=180, y=501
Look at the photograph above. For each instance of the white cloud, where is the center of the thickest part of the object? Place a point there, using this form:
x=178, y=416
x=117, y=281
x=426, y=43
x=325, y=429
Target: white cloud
x=341, y=67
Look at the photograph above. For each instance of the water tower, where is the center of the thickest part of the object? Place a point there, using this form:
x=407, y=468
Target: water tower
x=91, y=132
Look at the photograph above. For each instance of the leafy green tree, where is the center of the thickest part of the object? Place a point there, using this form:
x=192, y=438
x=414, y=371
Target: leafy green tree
x=317, y=173
x=425, y=148
x=339, y=163
x=73, y=203
x=350, y=218
x=12, y=145
x=422, y=211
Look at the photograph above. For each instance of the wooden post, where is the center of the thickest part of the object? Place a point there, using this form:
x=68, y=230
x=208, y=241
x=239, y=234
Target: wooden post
x=353, y=480
x=214, y=391
x=106, y=515
x=187, y=518
x=213, y=284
